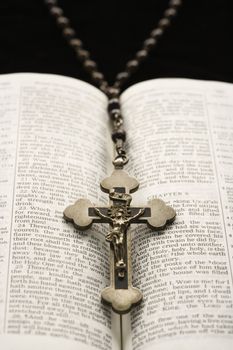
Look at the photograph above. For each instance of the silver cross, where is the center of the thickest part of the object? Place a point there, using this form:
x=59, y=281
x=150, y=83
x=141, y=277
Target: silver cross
x=121, y=295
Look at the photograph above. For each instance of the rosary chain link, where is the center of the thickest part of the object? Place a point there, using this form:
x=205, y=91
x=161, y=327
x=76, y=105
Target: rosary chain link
x=113, y=92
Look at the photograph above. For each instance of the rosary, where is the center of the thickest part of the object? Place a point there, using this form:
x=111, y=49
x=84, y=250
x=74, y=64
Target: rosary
x=121, y=294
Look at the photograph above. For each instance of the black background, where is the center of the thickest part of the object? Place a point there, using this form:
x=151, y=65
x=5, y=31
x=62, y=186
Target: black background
x=197, y=45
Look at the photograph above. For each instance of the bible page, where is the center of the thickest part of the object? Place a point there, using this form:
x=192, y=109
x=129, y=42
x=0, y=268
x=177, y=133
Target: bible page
x=180, y=140
x=54, y=150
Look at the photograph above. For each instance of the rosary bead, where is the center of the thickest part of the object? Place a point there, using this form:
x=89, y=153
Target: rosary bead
x=141, y=55
x=56, y=11
x=113, y=104
x=51, y=2
x=63, y=21
x=131, y=66
x=75, y=43
x=113, y=92
x=175, y=3
x=115, y=114
x=156, y=33
x=68, y=33
x=149, y=43
x=104, y=86
x=82, y=54
x=90, y=65
x=169, y=13
x=97, y=77
x=164, y=23
x=122, y=76
x=119, y=134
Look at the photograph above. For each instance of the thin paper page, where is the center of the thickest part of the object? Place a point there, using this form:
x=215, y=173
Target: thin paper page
x=181, y=150
x=53, y=146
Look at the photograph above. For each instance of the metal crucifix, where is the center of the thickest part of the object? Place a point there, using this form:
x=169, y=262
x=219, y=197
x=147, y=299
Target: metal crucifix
x=121, y=295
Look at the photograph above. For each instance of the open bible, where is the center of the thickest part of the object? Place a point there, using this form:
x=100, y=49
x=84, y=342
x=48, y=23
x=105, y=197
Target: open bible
x=55, y=148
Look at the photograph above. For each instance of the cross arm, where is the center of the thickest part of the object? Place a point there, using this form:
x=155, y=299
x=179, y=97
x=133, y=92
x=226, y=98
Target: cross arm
x=156, y=215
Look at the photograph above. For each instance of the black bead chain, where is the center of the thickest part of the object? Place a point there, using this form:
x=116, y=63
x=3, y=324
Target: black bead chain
x=113, y=92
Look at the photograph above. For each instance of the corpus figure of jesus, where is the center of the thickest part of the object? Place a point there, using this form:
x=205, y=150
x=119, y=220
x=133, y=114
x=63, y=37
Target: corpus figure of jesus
x=119, y=219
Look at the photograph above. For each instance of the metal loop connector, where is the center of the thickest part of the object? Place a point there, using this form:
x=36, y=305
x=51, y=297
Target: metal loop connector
x=120, y=161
